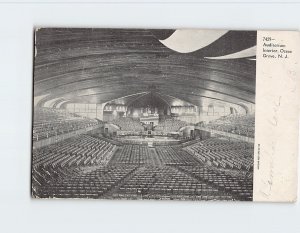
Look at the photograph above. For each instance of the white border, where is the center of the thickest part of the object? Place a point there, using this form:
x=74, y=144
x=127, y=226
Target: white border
x=18, y=213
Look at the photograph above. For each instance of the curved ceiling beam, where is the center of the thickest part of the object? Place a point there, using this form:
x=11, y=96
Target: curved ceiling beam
x=214, y=77
x=186, y=98
x=250, y=52
x=96, y=66
x=152, y=93
x=219, y=96
x=129, y=96
x=140, y=65
x=164, y=96
x=37, y=99
x=195, y=98
x=90, y=91
x=132, y=100
x=229, y=103
x=59, y=105
x=58, y=102
x=87, y=90
x=112, y=82
x=103, y=97
x=51, y=102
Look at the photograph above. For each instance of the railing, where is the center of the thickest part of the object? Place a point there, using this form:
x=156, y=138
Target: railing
x=55, y=139
x=227, y=134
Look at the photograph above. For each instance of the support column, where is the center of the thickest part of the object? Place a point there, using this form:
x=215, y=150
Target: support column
x=99, y=111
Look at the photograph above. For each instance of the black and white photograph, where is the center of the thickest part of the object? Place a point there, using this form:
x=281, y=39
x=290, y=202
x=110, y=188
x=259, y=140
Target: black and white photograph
x=159, y=114
x=149, y=116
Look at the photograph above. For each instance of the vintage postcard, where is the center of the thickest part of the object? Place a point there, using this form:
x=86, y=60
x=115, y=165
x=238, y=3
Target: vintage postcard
x=165, y=114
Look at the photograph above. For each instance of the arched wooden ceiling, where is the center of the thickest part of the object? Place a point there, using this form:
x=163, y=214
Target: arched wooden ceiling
x=101, y=65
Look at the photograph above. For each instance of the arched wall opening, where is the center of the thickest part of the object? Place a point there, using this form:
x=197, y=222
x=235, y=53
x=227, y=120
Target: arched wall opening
x=148, y=104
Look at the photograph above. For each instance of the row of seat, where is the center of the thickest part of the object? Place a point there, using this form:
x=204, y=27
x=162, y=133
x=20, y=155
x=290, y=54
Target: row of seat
x=91, y=167
x=93, y=184
x=167, y=182
x=49, y=129
x=50, y=122
x=223, y=153
x=170, y=125
x=132, y=154
x=237, y=124
x=140, y=154
x=146, y=182
x=81, y=150
x=128, y=124
x=241, y=187
x=42, y=114
x=43, y=176
x=170, y=156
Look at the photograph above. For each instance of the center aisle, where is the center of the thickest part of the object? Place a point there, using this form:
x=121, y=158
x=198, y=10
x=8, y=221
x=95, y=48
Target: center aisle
x=155, y=158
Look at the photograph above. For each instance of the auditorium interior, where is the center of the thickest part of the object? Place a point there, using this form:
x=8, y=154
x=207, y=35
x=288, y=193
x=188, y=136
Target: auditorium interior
x=130, y=114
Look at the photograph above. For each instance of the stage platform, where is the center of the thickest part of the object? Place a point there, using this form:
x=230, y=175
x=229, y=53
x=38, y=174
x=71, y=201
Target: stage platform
x=150, y=141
